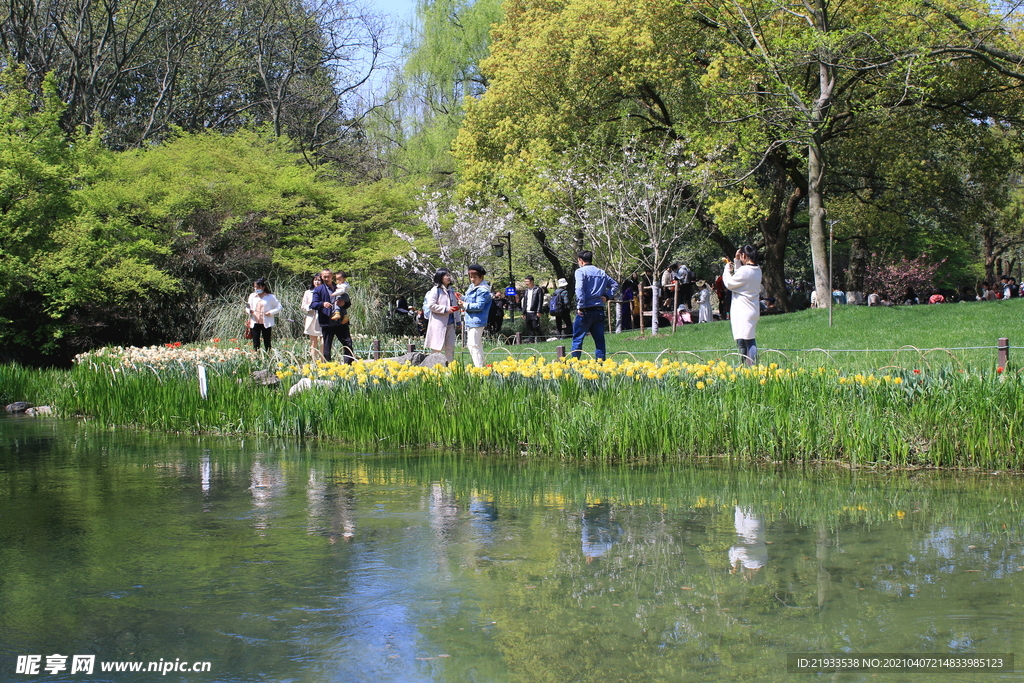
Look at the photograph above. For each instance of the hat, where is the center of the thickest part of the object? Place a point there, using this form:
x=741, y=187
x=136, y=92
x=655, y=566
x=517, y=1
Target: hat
x=700, y=283
x=562, y=282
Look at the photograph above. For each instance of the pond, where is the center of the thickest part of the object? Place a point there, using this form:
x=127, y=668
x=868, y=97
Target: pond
x=274, y=561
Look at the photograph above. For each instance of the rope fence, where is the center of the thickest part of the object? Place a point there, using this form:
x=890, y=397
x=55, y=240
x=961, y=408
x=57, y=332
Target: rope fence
x=1002, y=349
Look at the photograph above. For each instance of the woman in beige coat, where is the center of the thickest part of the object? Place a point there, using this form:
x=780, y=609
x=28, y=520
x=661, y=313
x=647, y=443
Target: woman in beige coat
x=443, y=308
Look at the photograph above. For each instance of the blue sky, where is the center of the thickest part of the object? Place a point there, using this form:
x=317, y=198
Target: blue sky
x=399, y=9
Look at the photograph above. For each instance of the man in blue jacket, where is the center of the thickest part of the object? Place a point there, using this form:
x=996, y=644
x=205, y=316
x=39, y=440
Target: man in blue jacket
x=593, y=290
x=324, y=304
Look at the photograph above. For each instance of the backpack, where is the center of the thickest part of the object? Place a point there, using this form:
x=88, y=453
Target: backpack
x=557, y=304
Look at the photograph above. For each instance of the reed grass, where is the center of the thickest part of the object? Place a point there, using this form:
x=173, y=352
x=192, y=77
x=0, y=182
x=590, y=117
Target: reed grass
x=944, y=419
x=223, y=317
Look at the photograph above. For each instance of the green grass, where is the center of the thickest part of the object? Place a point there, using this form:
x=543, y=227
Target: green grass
x=855, y=331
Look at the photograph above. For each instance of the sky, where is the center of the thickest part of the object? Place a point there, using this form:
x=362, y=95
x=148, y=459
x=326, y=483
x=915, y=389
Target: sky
x=399, y=9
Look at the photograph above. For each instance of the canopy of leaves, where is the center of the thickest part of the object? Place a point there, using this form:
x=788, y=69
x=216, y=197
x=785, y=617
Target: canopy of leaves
x=141, y=68
x=738, y=82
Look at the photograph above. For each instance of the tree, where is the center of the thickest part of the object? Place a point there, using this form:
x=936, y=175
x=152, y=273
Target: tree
x=143, y=68
x=460, y=234
x=631, y=205
x=892, y=278
x=440, y=69
x=57, y=260
x=766, y=97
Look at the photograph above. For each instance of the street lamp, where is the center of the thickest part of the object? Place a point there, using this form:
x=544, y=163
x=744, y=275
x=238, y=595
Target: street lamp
x=510, y=291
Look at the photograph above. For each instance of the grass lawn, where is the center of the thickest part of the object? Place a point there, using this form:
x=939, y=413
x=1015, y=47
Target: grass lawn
x=860, y=337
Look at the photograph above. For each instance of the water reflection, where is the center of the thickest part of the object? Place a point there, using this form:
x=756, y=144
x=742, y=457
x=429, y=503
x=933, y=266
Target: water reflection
x=599, y=531
x=276, y=562
x=750, y=553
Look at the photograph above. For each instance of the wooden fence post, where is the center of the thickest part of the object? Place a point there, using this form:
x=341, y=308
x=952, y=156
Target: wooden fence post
x=1003, y=351
x=411, y=348
x=560, y=352
x=640, y=288
x=675, y=304
x=375, y=349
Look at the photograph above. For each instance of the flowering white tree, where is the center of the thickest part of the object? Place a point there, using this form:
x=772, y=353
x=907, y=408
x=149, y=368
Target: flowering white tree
x=460, y=234
x=635, y=205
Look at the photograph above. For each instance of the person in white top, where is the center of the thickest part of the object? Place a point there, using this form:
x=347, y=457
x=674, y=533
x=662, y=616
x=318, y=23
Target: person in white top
x=340, y=283
x=704, y=302
x=743, y=278
x=261, y=306
x=311, y=328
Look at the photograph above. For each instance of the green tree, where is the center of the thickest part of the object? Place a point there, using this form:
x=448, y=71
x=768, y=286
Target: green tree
x=759, y=94
x=227, y=208
x=440, y=69
x=59, y=263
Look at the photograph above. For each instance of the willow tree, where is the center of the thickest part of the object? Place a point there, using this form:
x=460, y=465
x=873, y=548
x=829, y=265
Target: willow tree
x=440, y=68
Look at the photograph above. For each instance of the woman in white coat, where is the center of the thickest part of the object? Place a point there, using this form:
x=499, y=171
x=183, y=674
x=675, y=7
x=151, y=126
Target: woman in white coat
x=262, y=306
x=743, y=279
x=704, y=314
x=444, y=318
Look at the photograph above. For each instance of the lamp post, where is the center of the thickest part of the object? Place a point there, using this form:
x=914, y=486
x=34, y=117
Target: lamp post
x=510, y=291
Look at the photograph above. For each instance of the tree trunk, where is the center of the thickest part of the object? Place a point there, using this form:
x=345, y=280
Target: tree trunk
x=816, y=209
x=789, y=190
x=549, y=253
x=816, y=160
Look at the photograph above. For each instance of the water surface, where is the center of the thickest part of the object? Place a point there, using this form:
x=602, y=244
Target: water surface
x=281, y=562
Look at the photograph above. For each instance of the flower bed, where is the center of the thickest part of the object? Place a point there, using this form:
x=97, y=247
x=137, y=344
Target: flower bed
x=168, y=356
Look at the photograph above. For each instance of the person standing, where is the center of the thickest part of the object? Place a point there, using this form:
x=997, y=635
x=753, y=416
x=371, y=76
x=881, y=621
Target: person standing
x=531, y=300
x=684, y=278
x=743, y=278
x=261, y=306
x=593, y=289
x=724, y=298
x=559, y=308
x=496, y=318
x=704, y=314
x=324, y=305
x=477, y=305
x=311, y=327
x=444, y=315
x=342, y=304
x=668, y=286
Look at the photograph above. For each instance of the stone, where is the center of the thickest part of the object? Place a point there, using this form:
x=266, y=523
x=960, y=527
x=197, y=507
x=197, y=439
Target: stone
x=414, y=358
x=18, y=407
x=432, y=360
x=265, y=377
